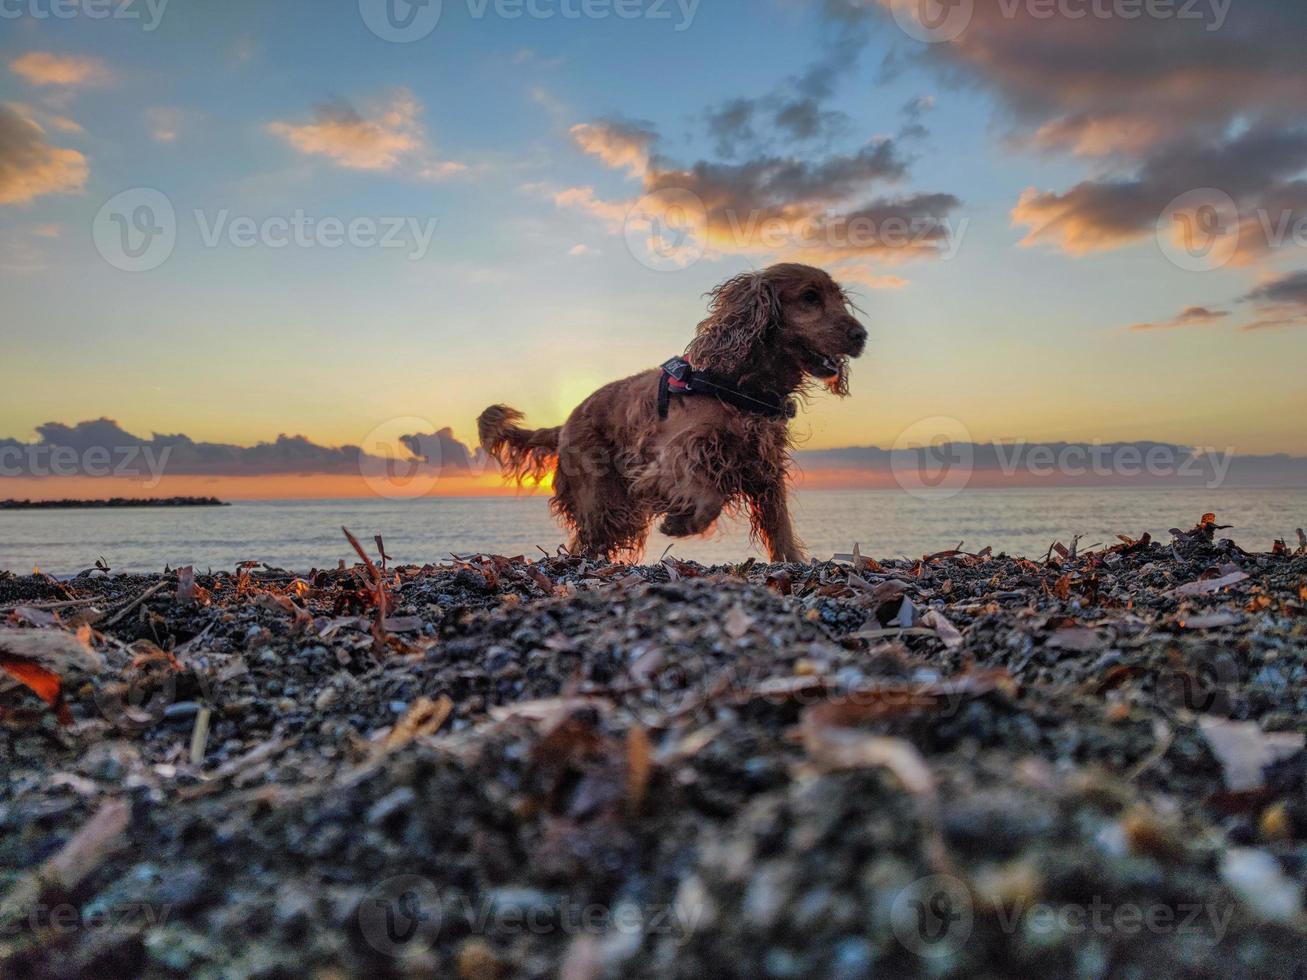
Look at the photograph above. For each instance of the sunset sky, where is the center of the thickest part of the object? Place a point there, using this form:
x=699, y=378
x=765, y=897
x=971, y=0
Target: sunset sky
x=1036, y=157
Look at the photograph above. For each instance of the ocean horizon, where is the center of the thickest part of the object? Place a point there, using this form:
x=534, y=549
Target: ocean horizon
x=301, y=535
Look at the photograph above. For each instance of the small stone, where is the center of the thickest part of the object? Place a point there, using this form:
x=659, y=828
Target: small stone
x=181, y=710
x=477, y=961
x=1256, y=877
x=327, y=697
x=1276, y=823
x=1147, y=833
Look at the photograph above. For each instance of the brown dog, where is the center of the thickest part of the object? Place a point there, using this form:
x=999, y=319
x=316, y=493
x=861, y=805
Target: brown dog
x=618, y=464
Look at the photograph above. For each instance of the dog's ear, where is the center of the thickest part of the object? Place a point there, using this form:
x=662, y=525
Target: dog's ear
x=742, y=313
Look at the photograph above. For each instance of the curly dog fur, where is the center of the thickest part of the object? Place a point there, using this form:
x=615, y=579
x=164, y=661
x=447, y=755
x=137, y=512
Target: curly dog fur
x=617, y=466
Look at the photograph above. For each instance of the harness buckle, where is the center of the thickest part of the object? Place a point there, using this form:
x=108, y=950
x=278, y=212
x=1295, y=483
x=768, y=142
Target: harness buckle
x=678, y=369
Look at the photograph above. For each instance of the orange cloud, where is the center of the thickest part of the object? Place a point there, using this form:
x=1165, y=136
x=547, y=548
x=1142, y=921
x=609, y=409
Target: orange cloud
x=1194, y=316
x=389, y=136
x=30, y=167
x=44, y=68
x=621, y=146
x=783, y=206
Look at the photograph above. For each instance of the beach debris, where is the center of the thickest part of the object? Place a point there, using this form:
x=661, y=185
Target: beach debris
x=422, y=719
x=1205, y=586
x=1245, y=751
x=41, y=659
x=1261, y=884
x=85, y=851
x=732, y=770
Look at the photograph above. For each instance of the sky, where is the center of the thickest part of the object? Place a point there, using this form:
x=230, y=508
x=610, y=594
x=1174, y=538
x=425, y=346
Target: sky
x=1078, y=220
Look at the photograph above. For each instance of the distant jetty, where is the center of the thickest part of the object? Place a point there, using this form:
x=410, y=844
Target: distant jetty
x=112, y=502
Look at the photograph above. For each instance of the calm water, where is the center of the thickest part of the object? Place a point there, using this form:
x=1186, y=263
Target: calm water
x=301, y=535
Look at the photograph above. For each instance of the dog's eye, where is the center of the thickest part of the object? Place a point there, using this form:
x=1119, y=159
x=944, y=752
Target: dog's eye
x=811, y=297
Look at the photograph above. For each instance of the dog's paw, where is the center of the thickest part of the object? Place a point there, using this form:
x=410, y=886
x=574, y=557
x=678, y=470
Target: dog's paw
x=676, y=525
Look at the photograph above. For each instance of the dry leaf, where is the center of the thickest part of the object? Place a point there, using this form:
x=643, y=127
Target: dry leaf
x=947, y=632
x=53, y=649
x=1204, y=586
x=45, y=684
x=834, y=748
x=1062, y=588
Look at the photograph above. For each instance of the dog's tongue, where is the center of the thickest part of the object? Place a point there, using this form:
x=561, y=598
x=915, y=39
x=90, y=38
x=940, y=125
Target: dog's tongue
x=838, y=382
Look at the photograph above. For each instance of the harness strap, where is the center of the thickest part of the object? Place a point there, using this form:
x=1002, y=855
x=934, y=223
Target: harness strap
x=679, y=378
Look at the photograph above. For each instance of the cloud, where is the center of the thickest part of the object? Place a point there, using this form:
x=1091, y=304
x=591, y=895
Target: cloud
x=1194, y=316
x=803, y=207
x=387, y=137
x=777, y=186
x=63, y=123
x=1280, y=302
x=1202, y=95
x=913, y=112
x=1287, y=289
x=612, y=213
x=795, y=112
x=30, y=167
x=101, y=447
x=164, y=123
x=1257, y=169
x=731, y=125
x=1051, y=464
x=44, y=68
x=1100, y=83
x=581, y=250
x=620, y=145
x=525, y=56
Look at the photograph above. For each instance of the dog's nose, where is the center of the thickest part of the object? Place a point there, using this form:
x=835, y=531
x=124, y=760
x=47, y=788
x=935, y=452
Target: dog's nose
x=857, y=333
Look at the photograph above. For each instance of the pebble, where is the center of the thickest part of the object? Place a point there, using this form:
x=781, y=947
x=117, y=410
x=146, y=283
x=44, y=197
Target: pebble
x=1256, y=877
x=181, y=710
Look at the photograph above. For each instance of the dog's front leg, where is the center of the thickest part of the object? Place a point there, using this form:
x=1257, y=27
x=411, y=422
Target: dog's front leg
x=771, y=521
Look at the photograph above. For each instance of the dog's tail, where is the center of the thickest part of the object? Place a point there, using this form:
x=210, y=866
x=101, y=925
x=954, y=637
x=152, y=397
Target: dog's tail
x=521, y=452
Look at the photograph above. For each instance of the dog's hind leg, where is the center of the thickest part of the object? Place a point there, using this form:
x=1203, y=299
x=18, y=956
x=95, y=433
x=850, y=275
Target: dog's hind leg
x=605, y=521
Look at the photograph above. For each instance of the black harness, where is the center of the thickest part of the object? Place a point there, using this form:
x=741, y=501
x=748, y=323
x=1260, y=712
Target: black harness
x=679, y=378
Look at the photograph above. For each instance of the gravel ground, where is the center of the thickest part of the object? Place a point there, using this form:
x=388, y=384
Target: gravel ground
x=967, y=765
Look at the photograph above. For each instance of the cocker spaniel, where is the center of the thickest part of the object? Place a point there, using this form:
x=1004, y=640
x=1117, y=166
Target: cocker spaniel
x=640, y=448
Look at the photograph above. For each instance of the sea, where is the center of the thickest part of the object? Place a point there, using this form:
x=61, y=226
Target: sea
x=301, y=535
